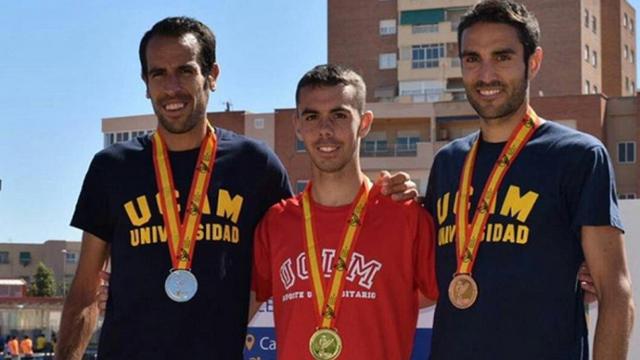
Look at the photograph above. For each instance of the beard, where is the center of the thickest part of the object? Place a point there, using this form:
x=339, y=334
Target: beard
x=179, y=127
x=510, y=106
x=183, y=125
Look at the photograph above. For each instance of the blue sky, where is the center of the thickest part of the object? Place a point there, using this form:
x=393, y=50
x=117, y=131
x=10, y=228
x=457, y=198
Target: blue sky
x=65, y=65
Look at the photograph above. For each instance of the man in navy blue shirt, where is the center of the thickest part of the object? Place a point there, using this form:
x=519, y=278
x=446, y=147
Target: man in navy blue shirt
x=518, y=207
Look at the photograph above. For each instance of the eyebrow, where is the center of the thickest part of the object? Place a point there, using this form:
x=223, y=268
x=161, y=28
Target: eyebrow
x=334, y=110
x=505, y=51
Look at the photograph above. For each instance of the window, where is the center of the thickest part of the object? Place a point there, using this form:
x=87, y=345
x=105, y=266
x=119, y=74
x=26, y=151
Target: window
x=424, y=28
x=625, y=20
x=586, y=52
x=70, y=257
x=626, y=83
x=108, y=139
x=407, y=144
x=388, y=27
x=25, y=258
x=631, y=25
x=594, y=58
x=299, y=145
x=626, y=52
x=387, y=61
x=593, y=24
x=586, y=18
x=375, y=144
x=627, y=196
x=627, y=152
x=632, y=57
x=426, y=56
x=633, y=86
x=4, y=257
x=595, y=89
x=258, y=123
x=587, y=87
x=301, y=185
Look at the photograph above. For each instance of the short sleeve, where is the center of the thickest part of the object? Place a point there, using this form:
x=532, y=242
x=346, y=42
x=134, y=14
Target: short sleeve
x=424, y=254
x=276, y=186
x=591, y=189
x=92, y=209
x=261, y=281
x=429, y=201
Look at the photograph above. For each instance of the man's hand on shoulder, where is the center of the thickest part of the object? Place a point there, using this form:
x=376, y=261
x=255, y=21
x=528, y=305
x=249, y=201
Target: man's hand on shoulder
x=398, y=185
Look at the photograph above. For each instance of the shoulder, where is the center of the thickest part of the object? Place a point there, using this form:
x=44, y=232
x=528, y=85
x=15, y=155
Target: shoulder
x=122, y=152
x=292, y=205
x=457, y=146
x=240, y=144
x=558, y=137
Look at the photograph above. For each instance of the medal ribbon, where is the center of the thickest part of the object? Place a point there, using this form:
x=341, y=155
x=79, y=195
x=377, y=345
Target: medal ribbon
x=182, y=234
x=468, y=236
x=327, y=308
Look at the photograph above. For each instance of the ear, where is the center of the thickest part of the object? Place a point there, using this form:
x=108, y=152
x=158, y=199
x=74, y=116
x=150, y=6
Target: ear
x=212, y=77
x=295, y=120
x=366, y=120
x=535, y=62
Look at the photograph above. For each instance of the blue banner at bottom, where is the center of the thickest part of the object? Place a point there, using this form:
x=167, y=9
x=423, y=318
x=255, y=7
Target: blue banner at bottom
x=261, y=344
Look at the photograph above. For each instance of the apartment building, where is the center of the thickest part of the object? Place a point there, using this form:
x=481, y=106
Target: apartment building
x=407, y=50
x=20, y=260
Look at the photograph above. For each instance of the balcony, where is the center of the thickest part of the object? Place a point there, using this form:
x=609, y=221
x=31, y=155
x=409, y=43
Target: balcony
x=424, y=34
x=432, y=4
x=446, y=68
x=393, y=150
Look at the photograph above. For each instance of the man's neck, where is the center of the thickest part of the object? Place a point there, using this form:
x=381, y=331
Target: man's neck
x=185, y=141
x=336, y=189
x=500, y=129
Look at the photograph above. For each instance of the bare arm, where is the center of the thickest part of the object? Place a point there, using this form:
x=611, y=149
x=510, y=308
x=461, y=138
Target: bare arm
x=424, y=301
x=80, y=312
x=254, y=305
x=604, y=251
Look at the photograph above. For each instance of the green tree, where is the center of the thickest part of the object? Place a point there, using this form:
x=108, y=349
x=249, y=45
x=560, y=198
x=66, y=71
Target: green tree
x=43, y=283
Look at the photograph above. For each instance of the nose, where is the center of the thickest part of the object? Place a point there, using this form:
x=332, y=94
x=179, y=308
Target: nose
x=172, y=84
x=487, y=72
x=326, y=126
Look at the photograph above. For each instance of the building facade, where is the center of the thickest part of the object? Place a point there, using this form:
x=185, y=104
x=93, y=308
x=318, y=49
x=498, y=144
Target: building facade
x=406, y=136
x=20, y=260
x=407, y=50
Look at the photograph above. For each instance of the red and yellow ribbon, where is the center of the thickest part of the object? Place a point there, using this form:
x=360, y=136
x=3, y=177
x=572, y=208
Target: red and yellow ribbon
x=182, y=234
x=327, y=307
x=468, y=236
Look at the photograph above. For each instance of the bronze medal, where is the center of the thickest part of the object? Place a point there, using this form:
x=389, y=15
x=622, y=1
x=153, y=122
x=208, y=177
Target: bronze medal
x=463, y=291
x=325, y=344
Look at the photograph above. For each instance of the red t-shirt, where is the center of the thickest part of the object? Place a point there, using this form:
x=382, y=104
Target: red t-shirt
x=393, y=260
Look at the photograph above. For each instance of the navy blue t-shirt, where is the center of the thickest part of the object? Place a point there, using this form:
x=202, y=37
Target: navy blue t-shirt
x=119, y=204
x=530, y=305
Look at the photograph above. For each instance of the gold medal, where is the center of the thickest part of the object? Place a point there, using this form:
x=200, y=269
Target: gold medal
x=463, y=291
x=325, y=344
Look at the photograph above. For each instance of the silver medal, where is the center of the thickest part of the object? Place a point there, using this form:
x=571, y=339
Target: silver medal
x=181, y=285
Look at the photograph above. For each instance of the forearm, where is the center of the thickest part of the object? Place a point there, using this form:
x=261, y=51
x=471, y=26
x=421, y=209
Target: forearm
x=76, y=327
x=613, y=329
x=254, y=305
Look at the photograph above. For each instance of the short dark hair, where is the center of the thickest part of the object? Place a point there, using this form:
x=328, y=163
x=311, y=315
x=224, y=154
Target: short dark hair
x=177, y=27
x=504, y=12
x=333, y=75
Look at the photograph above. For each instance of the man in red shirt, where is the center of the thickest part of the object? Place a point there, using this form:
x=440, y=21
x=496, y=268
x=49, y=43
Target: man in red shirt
x=345, y=265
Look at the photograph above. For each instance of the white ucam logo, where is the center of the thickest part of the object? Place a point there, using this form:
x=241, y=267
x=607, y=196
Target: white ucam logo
x=359, y=269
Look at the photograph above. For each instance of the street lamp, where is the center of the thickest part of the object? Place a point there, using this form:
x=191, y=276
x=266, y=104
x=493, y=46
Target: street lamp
x=64, y=268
